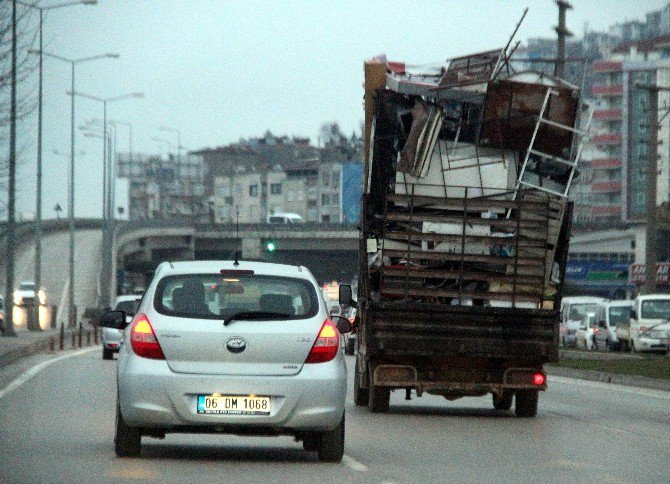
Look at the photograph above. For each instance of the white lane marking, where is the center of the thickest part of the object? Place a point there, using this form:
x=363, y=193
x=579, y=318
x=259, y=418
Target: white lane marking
x=34, y=370
x=612, y=386
x=353, y=464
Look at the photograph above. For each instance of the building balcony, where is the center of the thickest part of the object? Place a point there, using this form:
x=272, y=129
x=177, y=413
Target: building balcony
x=604, y=90
x=606, y=187
x=606, y=210
x=607, y=66
x=605, y=163
x=607, y=139
x=608, y=114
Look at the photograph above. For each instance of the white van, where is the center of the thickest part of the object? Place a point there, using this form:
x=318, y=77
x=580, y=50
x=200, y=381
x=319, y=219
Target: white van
x=648, y=328
x=573, y=310
x=284, y=218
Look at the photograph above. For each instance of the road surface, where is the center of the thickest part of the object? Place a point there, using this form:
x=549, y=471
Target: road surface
x=57, y=423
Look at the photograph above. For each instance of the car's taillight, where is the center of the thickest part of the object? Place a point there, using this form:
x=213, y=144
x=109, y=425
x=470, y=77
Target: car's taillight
x=143, y=339
x=538, y=379
x=326, y=345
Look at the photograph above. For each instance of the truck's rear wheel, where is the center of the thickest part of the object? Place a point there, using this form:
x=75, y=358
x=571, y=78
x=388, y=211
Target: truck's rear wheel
x=361, y=395
x=379, y=399
x=504, y=401
x=526, y=403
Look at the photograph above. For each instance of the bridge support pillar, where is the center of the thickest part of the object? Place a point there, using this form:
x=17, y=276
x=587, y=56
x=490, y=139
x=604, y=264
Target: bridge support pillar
x=251, y=248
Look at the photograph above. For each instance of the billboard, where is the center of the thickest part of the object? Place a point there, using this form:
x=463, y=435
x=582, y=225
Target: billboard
x=352, y=191
x=637, y=274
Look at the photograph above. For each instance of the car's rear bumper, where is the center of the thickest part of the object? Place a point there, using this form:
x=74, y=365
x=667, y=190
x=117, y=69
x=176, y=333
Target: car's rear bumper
x=153, y=396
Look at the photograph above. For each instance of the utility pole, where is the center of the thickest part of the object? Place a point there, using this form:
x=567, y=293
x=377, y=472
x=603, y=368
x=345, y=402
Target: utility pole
x=563, y=32
x=11, y=200
x=651, y=245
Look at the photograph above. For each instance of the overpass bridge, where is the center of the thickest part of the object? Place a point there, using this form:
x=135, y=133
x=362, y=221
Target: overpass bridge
x=328, y=250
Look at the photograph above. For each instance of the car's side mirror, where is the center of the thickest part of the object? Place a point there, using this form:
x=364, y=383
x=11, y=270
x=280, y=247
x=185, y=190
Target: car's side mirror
x=342, y=323
x=633, y=315
x=602, y=324
x=345, y=296
x=114, y=319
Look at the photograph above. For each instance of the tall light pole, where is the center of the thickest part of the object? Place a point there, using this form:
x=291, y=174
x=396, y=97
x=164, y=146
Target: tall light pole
x=179, y=146
x=38, y=209
x=108, y=188
x=9, y=289
x=72, y=318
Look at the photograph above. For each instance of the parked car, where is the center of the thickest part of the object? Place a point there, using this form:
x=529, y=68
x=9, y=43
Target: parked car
x=262, y=357
x=648, y=328
x=112, y=337
x=573, y=310
x=585, y=334
x=608, y=316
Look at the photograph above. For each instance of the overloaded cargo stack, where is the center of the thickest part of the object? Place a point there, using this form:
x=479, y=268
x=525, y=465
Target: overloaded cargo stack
x=469, y=167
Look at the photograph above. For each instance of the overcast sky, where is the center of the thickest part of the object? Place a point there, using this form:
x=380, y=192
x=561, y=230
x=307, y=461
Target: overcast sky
x=221, y=70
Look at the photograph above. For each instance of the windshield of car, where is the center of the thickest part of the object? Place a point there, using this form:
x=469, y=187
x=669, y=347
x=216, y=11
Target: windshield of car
x=216, y=296
x=128, y=307
x=619, y=314
x=578, y=311
x=655, y=309
x=27, y=286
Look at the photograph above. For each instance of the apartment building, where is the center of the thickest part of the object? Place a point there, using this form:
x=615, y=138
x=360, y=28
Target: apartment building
x=618, y=161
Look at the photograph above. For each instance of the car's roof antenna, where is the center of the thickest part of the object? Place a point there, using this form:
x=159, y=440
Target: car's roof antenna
x=238, y=254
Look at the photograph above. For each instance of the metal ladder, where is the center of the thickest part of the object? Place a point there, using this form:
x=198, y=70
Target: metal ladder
x=581, y=134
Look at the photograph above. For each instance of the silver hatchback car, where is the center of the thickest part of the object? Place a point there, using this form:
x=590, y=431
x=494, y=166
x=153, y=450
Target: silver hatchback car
x=232, y=347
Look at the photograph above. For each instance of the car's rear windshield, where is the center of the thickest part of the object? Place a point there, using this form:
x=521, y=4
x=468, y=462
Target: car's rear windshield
x=128, y=307
x=216, y=296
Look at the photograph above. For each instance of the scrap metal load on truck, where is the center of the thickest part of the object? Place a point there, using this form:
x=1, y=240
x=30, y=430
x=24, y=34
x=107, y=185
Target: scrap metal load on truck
x=464, y=228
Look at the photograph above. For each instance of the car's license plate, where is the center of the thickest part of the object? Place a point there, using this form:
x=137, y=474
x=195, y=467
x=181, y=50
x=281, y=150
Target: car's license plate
x=234, y=404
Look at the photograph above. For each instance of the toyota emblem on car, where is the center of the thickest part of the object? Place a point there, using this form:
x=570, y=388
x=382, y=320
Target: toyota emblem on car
x=236, y=344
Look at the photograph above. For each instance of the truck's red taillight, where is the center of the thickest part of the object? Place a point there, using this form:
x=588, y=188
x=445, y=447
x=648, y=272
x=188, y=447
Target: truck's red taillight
x=143, y=339
x=326, y=345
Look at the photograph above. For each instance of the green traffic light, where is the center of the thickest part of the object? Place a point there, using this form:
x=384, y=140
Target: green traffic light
x=270, y=246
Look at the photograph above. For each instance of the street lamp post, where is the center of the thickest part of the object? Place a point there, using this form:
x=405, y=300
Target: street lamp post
x=108, y=190
x=73, y=63
x=179, y=146
x=38, y=208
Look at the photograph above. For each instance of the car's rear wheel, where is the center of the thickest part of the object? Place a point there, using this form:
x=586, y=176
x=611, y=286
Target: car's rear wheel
x=526, y=403
x=504, y=401
x=310, y=442
x=361, y=395
x=128, y=440
x=107, y=354
x=379, y=399
x=331, y=444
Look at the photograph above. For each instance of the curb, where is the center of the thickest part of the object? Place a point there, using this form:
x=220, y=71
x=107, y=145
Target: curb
x=615, y=378
x=34, y=347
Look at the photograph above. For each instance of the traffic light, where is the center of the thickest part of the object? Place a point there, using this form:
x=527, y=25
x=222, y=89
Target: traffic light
x=270, y=246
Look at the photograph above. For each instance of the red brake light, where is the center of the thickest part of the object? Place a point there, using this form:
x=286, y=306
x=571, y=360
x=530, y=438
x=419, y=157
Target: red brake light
x=538, y=379
x=326, y=345
x=143, y=339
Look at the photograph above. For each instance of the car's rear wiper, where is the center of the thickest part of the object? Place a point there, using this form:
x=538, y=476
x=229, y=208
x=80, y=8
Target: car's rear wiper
x=254, y=315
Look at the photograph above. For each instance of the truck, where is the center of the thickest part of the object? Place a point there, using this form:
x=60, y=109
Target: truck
x=464, y=230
